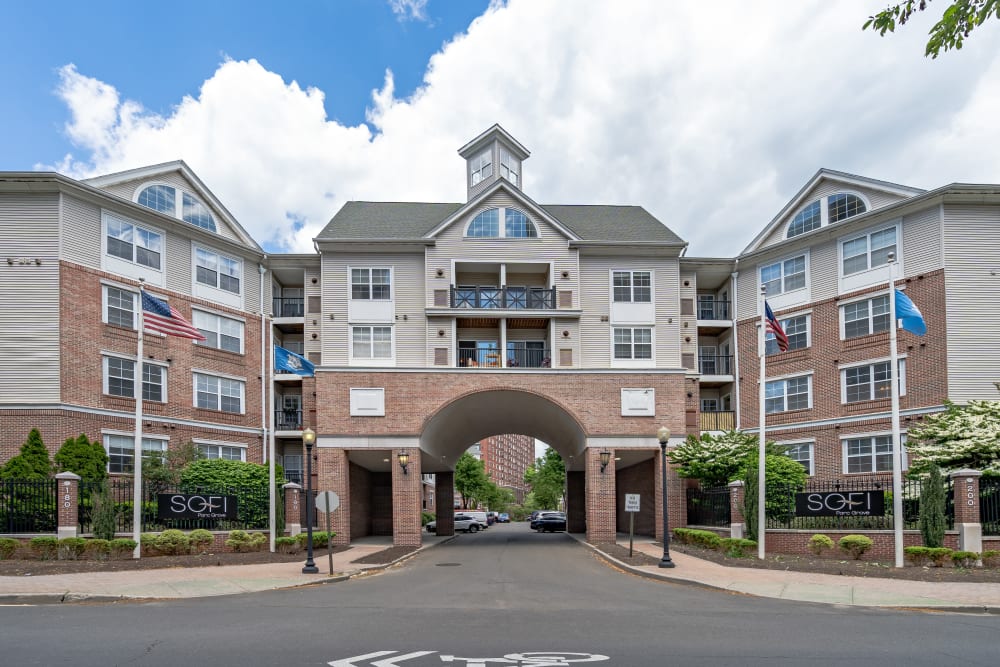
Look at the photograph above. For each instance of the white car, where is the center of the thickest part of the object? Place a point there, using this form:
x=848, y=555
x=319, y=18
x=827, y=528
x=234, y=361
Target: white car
x=463, y=522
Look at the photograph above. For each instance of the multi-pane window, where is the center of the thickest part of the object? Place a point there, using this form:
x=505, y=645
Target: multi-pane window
x=481, y=166
x=370, y=284
x=120, y=307
x=870, y=316
x=121, y=451
x=159, y=198
x=510, y=166
x=119, y=379
x=196, y=213
x=803, y=453
x=807, y=220
x=709, y=405
x=163, y=198
x=797, y=330
x=486, y=225
x=371, y=342
x=517, y=225
x=869, y=454
x=217, y=270
x=133, y=243
x=868, y=251
x=788, y=394
x=218, y=393
x=871, y=381
x=223, y=333
x=785, y=276
x=633, y=343
x=632, y=286
x=227, y=452
x=843, y=205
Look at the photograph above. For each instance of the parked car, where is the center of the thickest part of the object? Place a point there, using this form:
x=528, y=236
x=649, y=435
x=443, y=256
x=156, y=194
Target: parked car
x=503, y=518
x=551, y=522
x=481, y=517
x=463, y=523
x=538, y=517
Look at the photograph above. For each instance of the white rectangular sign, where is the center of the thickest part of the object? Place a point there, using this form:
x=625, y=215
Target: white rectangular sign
x=631, y=502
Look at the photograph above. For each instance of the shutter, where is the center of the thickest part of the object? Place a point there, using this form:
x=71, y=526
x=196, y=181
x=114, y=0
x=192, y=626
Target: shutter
x=314, y=304
x=565, y=298
x=440, y=356
x=566, y=357
x=691, y=419
x=314, y=357
x=687, y=306
x=440, y=298
x=687, y=360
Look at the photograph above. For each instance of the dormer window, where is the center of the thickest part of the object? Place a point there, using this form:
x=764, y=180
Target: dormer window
x=517, y=225
x=839, y=206
x=164, y=198
x=481, y=166
x=510, y=166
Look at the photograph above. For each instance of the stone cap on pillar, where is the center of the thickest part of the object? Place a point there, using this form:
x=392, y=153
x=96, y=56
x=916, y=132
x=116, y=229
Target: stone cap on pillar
x=965, y=472
x=68, y=475
x=292, y=485
x=736, y=483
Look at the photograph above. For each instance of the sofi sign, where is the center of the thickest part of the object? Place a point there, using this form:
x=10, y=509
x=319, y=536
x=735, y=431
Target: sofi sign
x=195, y=506
x=840, y=503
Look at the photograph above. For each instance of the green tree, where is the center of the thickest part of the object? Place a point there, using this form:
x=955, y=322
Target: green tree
x=716, y=460
x=932, y=509
x=32, y=463
x=85, y=458
x=960, y=437
x=247, y=481
x=783, y=477
x=471, y=480
x=163, y=472
x=960, y=18
x=547, y=479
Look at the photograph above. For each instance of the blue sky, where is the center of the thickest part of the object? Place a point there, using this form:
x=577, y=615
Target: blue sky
x=287, y=111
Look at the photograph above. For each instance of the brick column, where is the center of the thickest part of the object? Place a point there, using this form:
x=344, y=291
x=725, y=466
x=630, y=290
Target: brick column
x=334, y=475
x=970, y=531
x=737, y=526
x=406, y=494
x=68, y=500
x=293, y=508
x=444, y=505
x=576, y=501
x=601, y=510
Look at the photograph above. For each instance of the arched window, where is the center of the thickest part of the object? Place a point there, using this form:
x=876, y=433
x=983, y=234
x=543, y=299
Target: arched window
x=163, y=198
x=197, y=213
x=518, y=226
x=159, y=198
x=843, y=205
x=486, y=225
x=807, y=220
x=839, y=206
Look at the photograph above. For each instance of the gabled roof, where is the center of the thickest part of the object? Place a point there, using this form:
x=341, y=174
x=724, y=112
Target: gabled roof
x=177, y=166
x=373, y=220
x=494, y=132
x=631, y=223
x=831, y=175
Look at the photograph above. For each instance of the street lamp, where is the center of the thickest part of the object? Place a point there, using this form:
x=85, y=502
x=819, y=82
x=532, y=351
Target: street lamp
x=663, y=435
x=309, y=439
x=605, y=459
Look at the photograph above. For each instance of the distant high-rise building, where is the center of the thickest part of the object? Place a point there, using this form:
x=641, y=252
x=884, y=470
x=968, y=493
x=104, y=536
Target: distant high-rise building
x=505, y=458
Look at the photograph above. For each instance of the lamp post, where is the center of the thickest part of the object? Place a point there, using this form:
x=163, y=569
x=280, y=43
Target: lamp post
x=663, y=435
x=309, y=439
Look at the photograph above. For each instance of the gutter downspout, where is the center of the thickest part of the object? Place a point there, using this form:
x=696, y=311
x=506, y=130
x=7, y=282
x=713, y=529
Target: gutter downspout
x=736, y=345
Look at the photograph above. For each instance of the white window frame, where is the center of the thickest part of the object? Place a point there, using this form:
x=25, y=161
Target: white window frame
x=824, y=211
x=770, y=343
x=129, y=267
x=631, y=286
x=870, y=275
x=178, y=211
x=372, y=361
x=844, y=439
x=205, y=445
x=370, y=284
x=784, y=396
x=901, y=373
x=239, y=382
x=218, y=320
x=510, y=167
x=810, y=446
x=150, y=443
x=106, y=358
x=215, y=292
x=632, y=361
x=871, y=326
x=106, y=303
x=481, y=166
x=781, y=263
x=501, y=225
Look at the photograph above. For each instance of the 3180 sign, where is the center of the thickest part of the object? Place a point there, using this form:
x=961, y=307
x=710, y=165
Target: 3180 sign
x=195, y=506
x=840, y=503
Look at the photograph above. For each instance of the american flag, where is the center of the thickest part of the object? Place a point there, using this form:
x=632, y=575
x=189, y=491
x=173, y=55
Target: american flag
x=775, y=328
x=161, y=317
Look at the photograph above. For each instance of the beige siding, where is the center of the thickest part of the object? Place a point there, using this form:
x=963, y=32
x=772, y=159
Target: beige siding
x=434, y=325
x=312, y=345
x=689, y=323
x=921, y=247
x=29, y=299
x=972, y=255
x=81, y=232
x=746, y=292
x=179, y=256
x=824, y=271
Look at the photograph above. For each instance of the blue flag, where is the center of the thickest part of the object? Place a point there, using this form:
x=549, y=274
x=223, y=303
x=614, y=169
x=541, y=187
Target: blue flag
x=909, y=315
x=289, y=362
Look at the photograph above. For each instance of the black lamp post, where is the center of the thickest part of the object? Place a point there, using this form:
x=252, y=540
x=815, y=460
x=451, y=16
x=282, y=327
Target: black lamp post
x=663, y=435
x=309, y=439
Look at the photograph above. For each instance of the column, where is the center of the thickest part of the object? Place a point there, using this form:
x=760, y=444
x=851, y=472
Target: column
x=737, y=526
x=444, y=506
x=602, y=518
x=970, y=530
x=293, y=508
x=406, y=496
x=68, y=502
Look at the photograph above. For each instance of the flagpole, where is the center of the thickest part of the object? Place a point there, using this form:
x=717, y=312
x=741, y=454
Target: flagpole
x=762, y=353
x=271, y=473
x=897, y=458
x=137, y=446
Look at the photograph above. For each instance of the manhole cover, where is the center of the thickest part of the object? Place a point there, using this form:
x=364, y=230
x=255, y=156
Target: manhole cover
x=448, y=564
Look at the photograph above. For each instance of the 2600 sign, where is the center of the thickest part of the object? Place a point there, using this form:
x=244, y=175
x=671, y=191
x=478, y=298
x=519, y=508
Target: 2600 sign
x=195, y=506
x=840, y=503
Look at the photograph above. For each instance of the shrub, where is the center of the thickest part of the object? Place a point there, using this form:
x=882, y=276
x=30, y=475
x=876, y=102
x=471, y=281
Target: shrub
x=172, y=542
x=105, y=513
x=856, y=545
x=85, y=458
x=991, y=558
x=736, y=547
x=426, y=517
x=71, y=548
x=819, y=543
x=917, y=555
x=97, y=549
x=964, y=558
x=932, y=509
x=45, y=547
x=200, y=539
x=148, y=543
x=287, y=545
x=32, y=463
x=938, y=555
x=701, y=538
x=8, y=546
x=122, y=546
x=242, y=541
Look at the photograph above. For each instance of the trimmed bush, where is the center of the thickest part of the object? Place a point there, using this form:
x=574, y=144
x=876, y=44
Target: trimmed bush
x=856, y=545
x=287, y=545
x=737, y=547
x=148, y=543
x=991, y=558
x=320, y=539
x=819, y=543
x=242, y=541
x=938, y=555
x=8, y=546
x=964, y=558
x=200, y=539
x=426, y=517
x=121, y=547
x=71, y=548
x=917, y=555
x=701, y=538
x=172, y=542
x=932, y=502
x=46, y=547
x=97, y=549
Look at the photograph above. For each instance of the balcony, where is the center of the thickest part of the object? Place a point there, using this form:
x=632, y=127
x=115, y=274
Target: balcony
x=288, y=306
x=713, y=310
x=518, y=356
x=503, y=298
x=715, y=364
x=718, y=421
x=288, y=420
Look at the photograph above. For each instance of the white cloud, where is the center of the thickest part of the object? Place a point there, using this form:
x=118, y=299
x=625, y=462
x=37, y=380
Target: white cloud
x=710, y=120
x=409, y=9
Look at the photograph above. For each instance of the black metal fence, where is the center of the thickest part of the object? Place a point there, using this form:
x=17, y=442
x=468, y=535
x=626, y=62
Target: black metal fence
x=252, y=507
x=708, y=507
x=28, y=506
x=989, y=505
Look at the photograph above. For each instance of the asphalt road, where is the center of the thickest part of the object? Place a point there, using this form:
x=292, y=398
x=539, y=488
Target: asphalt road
x=506, y=596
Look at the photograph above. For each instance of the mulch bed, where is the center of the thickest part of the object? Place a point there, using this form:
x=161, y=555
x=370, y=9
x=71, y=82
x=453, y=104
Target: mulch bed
x=620, y=553
x=385, y=556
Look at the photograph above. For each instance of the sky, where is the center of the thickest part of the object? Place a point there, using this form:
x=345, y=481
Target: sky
x=709, y=115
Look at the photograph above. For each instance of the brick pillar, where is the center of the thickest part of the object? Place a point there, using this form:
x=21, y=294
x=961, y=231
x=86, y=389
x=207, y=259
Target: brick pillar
x=601, y=511
x=406, y=494
x=293, y=508
x=444, y=492
x=334, y=475
x=970, y=530
x=68, y=499
x=576, y=501
x=737, y=526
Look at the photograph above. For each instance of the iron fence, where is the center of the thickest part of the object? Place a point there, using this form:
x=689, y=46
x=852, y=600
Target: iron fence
x=709, y=507
x=28, y=506
x=989, y=505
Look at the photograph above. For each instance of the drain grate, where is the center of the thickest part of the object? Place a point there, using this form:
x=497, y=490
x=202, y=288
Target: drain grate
x=447, y=564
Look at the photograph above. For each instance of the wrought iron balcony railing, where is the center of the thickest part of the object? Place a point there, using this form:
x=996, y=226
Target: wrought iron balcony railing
x=288, y=420
x=517, y=357
x=713, y=310
x=715, y=364
x=500, y=298
x=288, y=306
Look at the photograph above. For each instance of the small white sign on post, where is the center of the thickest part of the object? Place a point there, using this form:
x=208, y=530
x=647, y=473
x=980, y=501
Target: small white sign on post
x=631, y=502
x=328, y=502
